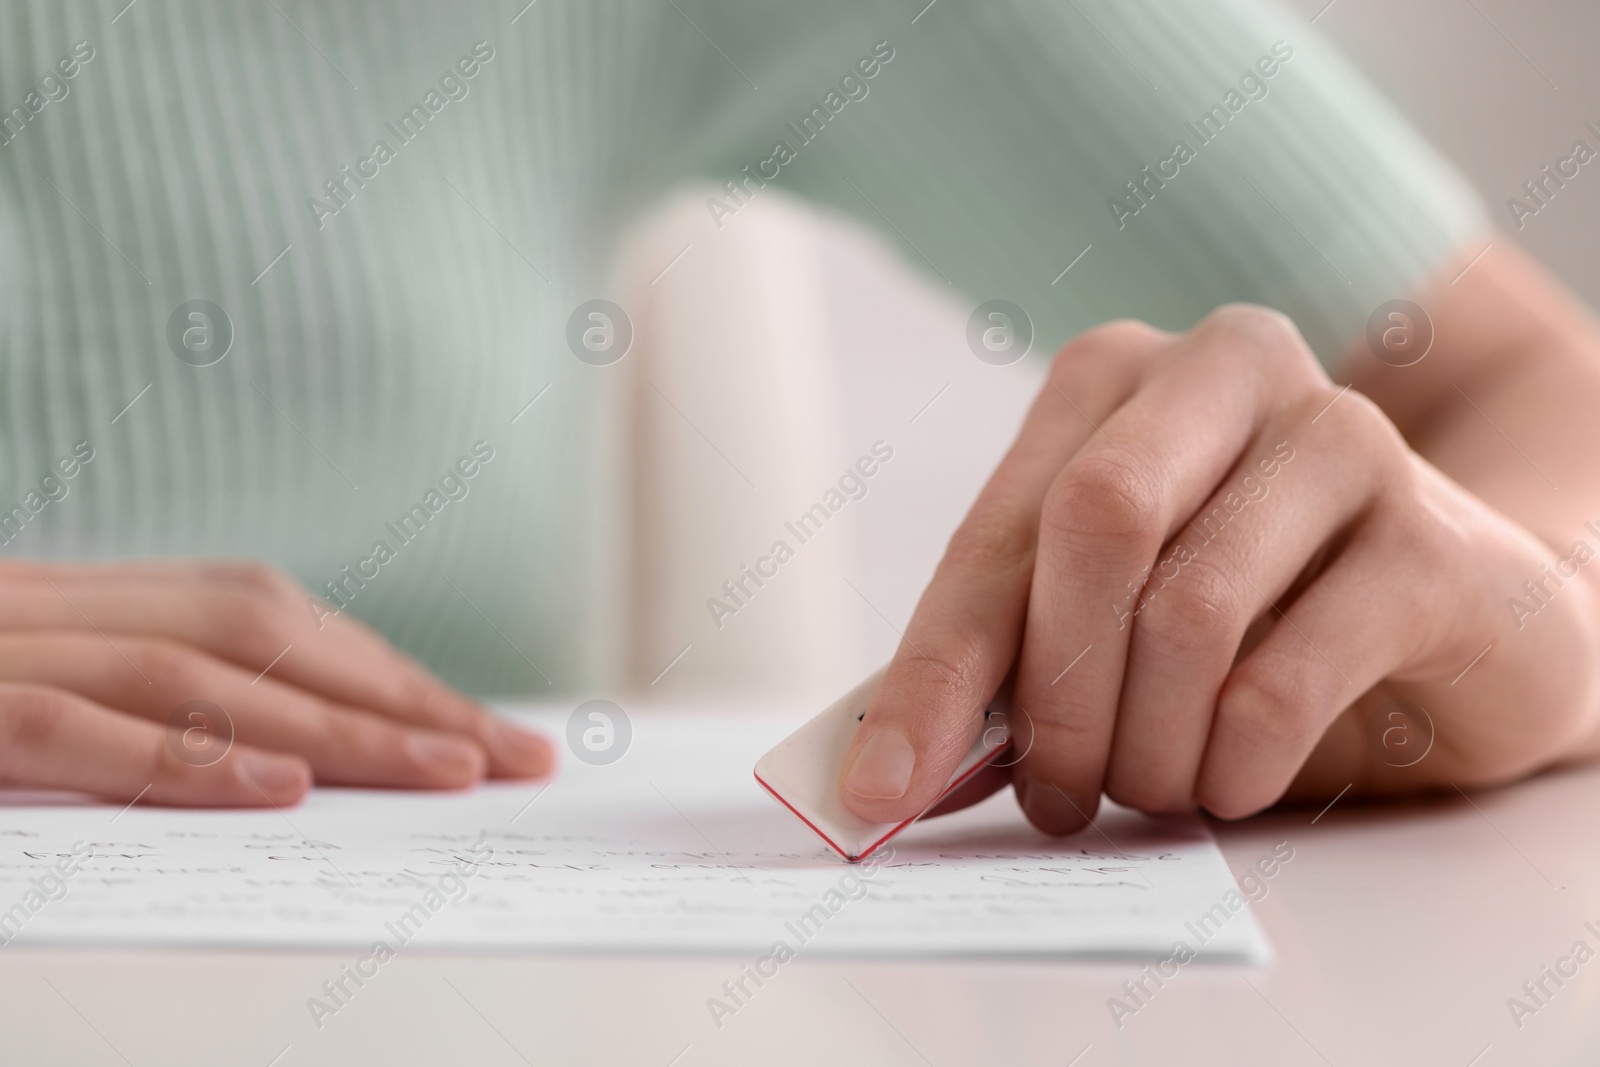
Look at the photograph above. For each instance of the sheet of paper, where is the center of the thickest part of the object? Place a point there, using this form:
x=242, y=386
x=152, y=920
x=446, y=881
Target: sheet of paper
x=672, y=848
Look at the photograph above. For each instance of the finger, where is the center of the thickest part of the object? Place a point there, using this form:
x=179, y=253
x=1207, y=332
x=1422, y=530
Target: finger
x=980, y=786
x=153, y=678
x=1237, y=555
x=255, y=617
x=963, y=637
x=1325, y=651
x=1330, y=647
x=50, y=739
x=1105, y=518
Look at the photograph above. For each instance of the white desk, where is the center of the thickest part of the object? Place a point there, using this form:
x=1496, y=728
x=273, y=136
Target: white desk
x=1400, y=933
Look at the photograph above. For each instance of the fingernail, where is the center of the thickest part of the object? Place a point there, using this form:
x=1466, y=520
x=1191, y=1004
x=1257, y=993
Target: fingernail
x=440, y=752
x=522, y=746
x=272, y=774
x=883, y=767
x=1052, y=811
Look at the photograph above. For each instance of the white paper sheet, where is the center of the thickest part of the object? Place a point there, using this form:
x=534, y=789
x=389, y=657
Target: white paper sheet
x=674, y=848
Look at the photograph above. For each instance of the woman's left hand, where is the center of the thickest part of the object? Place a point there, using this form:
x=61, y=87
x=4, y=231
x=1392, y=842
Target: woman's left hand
x=1213, y=571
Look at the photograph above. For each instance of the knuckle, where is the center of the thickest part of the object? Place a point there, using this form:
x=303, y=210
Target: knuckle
x=259, y=579
x=165, y=661
x=1125, y=346
x=1267, y=326
x=1113, y=337
x=162, y=763
x=1416, y=541
x=951, y=668
x=1263, y=708
x=1062, y=724
x=991, y=543
x=928, y=691
x=346, y=734
x=437, y=704
x=1266, y=334
x=1066, y=735
x=30, y=716
x=1102, y=498
x=1357, y=419
x=1197, y=615
x=251, y=622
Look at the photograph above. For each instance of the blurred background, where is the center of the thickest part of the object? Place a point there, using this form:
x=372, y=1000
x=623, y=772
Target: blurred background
x=1502, y=89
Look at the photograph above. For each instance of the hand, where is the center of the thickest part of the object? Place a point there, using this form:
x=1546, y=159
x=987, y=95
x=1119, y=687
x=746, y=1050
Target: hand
x=96, y=659
x=1209, y=567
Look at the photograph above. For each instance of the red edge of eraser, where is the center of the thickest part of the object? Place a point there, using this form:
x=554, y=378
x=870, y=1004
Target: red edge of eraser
x=951, y=787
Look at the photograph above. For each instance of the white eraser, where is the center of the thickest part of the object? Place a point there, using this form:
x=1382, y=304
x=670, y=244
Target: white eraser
x=803, y=771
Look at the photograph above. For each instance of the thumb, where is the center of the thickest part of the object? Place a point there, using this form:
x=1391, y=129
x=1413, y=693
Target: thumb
x=920, y=724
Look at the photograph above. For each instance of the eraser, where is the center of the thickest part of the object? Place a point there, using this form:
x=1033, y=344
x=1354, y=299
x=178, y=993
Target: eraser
x=804, y=769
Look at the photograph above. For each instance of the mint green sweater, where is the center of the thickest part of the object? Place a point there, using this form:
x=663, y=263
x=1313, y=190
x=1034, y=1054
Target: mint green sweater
x=398, y=206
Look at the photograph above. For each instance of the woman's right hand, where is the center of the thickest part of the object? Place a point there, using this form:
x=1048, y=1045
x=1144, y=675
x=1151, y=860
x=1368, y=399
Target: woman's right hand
x=97, y=662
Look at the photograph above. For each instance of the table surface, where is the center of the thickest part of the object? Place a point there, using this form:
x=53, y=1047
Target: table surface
x=1401, y=932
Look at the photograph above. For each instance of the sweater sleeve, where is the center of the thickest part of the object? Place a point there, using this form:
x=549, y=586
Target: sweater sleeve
x=1090, y=160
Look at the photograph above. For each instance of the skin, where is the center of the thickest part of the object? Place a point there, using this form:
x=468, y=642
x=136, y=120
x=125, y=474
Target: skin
x=1368, y=543
x=94, y=659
